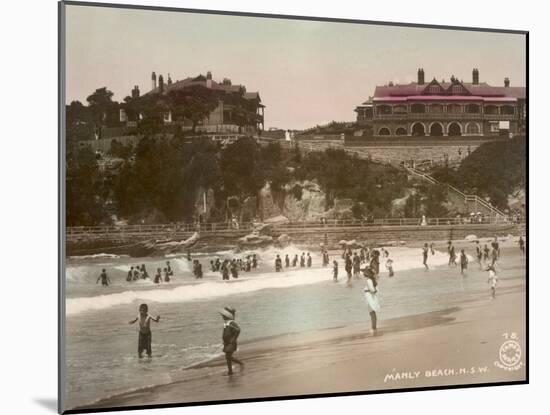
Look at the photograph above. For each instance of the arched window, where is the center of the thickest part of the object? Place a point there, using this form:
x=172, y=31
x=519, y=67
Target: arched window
x=418, y=129
x=384, y=131
x=436, y=129
x=473, y=128
x=454, y=129
x=472, y=108
x=418, y=108
x=400, y=131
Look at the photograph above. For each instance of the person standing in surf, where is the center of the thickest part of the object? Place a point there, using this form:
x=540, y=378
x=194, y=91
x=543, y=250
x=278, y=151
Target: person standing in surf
x=452, y=254
x=463, y=261
x=389, y=267
x=349, y=268
x=295, y=260
x=105, y=281
x=521, y=243
x=335, y=271
x=170, y=272
x=278, y=264
x=492, y=280
x=145, y=335
x=130, y=275
x=309, y=260
x=303, y=260
x=479, y=254
x=166, y=275
x=230, y=334
x=425, y=256
x=356, y=265
x=158, y=276
x=371, y=298
x=287, y=261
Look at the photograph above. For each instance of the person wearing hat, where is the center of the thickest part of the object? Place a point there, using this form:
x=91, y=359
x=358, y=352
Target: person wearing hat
x=231, y=331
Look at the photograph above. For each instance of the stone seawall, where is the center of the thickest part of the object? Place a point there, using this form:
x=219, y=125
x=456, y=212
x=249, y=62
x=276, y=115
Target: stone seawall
x=307, y=237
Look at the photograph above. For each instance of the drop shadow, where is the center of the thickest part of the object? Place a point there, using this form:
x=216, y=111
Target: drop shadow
x=48, y=403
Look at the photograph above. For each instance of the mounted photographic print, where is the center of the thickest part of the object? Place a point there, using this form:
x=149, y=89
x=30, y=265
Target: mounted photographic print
x=258, y=207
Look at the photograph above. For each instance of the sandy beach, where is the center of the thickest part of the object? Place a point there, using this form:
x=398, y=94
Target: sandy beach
x=457, y=345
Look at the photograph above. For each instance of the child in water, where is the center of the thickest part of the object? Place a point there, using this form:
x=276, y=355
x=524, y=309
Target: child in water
x=231, y=331
x=389, y=267
x=105, y=281
x=492, y=280
x=158, y=276
x=145, y=336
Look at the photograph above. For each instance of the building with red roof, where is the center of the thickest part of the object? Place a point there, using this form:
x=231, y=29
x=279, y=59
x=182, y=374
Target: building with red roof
x=453, y=108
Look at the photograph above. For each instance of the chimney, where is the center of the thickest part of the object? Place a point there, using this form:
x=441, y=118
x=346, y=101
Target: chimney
x=169, y=80
x=153, y=80
x=506, y=82
x=209, y=79
x=475, y=76
x=161, y=83
x=420, y=76
x=135, y=92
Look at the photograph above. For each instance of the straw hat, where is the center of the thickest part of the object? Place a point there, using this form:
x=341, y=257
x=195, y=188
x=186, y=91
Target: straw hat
x=228, y=312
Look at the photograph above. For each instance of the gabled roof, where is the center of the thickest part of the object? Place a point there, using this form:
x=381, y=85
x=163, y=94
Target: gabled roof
x=202, y=81
x=481, y=90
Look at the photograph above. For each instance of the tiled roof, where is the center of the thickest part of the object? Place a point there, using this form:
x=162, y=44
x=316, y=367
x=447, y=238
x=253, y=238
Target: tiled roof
x=442, y=98
x=481, y=90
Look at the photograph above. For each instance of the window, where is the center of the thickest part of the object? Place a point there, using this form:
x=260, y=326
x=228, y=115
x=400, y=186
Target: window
x=418, y=108
x=400, y=131
x=491, y=110
x=454, y=108
x=472, y=108
x=472, y=128
x=507, y=110
x=383, y=110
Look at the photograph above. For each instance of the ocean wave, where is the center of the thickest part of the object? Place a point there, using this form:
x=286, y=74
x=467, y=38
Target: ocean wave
x=94, y=256
x=202, y=291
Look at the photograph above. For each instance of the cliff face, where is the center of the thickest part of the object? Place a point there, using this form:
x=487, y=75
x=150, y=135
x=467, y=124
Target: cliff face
x=309, y=205
x=303, y=200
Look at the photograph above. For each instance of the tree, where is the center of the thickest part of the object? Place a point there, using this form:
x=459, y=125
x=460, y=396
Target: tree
x=103, y=110
x=85, y=192
x=193, y=103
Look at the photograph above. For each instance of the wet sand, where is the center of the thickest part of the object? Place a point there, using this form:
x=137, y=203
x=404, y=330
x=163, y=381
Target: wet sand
x=459, y=345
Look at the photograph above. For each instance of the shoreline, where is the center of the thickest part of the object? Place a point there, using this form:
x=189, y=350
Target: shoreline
x=376, y=235
x=439, y=348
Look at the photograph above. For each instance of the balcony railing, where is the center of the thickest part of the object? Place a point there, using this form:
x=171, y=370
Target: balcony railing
x=430, y=116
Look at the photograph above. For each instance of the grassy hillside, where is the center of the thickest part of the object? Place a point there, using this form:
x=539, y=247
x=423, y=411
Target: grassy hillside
x=493, y=170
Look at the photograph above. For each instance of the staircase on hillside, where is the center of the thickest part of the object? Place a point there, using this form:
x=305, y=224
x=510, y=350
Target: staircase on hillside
x=470, y=203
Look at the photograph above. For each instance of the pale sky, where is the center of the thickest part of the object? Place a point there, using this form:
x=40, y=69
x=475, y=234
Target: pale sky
x=307, y=73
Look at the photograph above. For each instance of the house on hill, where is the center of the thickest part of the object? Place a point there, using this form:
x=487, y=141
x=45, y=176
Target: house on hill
x=439, y=108
x=237, y=111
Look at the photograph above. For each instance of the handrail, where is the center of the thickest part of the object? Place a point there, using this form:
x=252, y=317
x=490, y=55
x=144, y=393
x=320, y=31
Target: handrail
x=167, y=229
x=467, y=198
